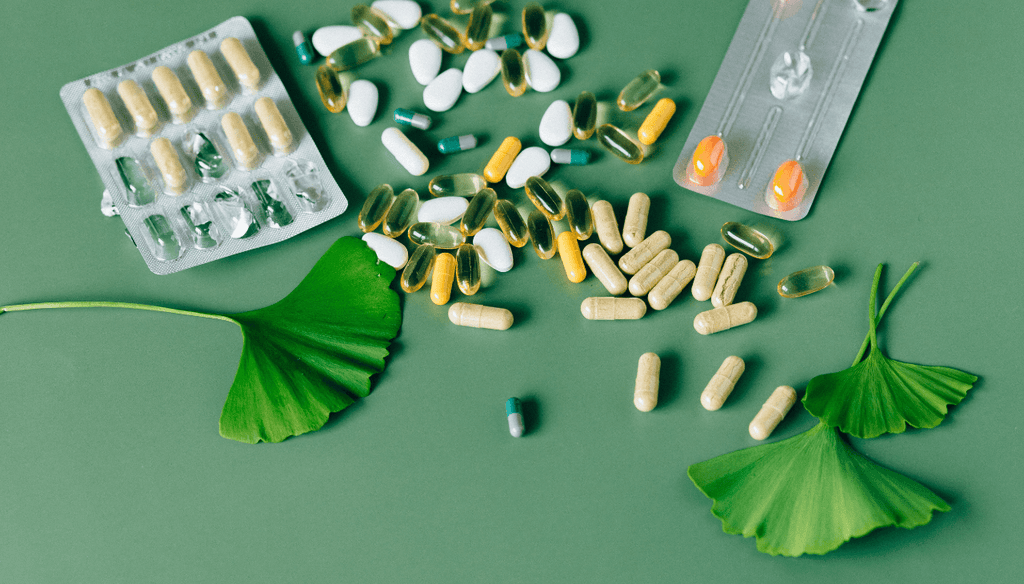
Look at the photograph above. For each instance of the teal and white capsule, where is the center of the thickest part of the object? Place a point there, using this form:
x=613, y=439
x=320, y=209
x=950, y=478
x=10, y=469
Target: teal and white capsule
x=514, y=411
x=455, y=144
x=570, y=156
x=302, y=48
x=411, y=118
x=508, y=41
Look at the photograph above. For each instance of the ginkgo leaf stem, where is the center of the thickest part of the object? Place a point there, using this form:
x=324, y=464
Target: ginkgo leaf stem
x=870, y=338
x=104, y=304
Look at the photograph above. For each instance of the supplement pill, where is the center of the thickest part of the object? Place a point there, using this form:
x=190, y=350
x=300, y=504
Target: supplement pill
x=787, y=188
x=564, y=39
x=619, y=143
x=139, y=107
x=455, y=144
x=464, y=184
x=607, y=226
x=572, y=260
x=645, y=392
x=635, y=228
x=303, y=49
x=363, y=98
x=542, y=74
x=479, y=316
x=725, y=318
x=513, y=72
x=535, y=26
x=806, y=281
x=373, y=23
x=404, y=151
x=494, y=249
x=173, y=94
x=424, y=60
x=400, y=14
x=584, y=116
x=388, y=250
x=649, y=275
x=477, y=212
x=707, y=271
x=605, y=269
x=772, y=412
x=542, y=235
x=328, y=39
x=578, y=214
x=639, y=256
x=245, y=70
x=533, y=161
x=375, y=207
x=479, y=26
x=418, y=268
x=274, y=125
x=242, y=147
x=544, y=197
x=722, y=383
x=671, y=285
x=214, y=91
x=171, y=170
x=353, y=54
x=556, y=124
x=467, y=6
x=656, y=121
x=441, y=94
x=411, y=118
x=502, y=159
x=511, y=222
x=508, y=41
x=514, y=412
x=729, y=280
x=748, y=240
x=443, y=33
x=332, y=92
x=444, y=277
x=481, y=68
x=611, y=308
x=436, y=234
x=444, y=210
x=401, y=213
x=108, y=129
x=639, y=90
x=709, y=162
x=570, y=157
x=467, y=268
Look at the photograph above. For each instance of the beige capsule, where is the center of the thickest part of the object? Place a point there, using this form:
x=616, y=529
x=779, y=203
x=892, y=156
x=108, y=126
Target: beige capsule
x=247, y=73
x=707, y=271
x=644, y=252
x=274, y=125
x=171, y=170
x=724, y=318
x=108, y=129
x=649, y=275
x=645, y=393
x=479, y=316
x=635, y=227
x=729, y=280
x=607, y=226
x=671, y=285
x=612, y=308
x=141, y=110
x=772, y=412
x=215, y=92
x=242, y=147
x=604, y=268
x=722, y=383
x=173, y=94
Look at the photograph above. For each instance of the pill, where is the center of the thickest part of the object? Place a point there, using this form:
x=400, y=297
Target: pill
x=578, y=214
x=639, y=90
x=722, y=383
x=572, y=259
x=607, y=226
x=564, y=39
x=652, y=273
x=532, y=161
x=437, y=235
x=443, y=33
x=418, y=268
x=645, y=392
x=481, y=68
x=442, y=93
x=611, y=308
x=141, y=110
x=513, y=73
x=709, y=162
x=411, y=118
x=388, y=250
x=373, y=23
x=605, y=269
x=375, y=207
x=167, y=161
x=541, y=72
x=806, y=281
x=401, y=213
x=464, y=184
x=787, y=187
x=173, y=94
x=508, y=41
x=502, y=159
x=274, y=125
x=479, y=316
x=247, y=73
x=635, y=227
x=303, y=48
x=570, y=156
x=363, y=98
x=511, y=223
x=542, y=235
x=656, y=121
x=556, y=124
x=707, y=271
x=477, y=212
x=725, y=318
x=404, y=151
x=479, y=26
x=772, y=412
x=729, y=280
x=748, y=240
x=328, y=39
x=425, y=60
x=467, y=268
x=108, y=129
x=619, y=143
x=444, y=277
x=514, y=413
x=332, y=92
x=494, y=249
x=467, y=6
x=535, y=26
x=445, y=210
x=584, y=116
x=402, y=14
x=544, y=197
x=666, y=290
x=644, y=252
x=454, y=144
x=210, y=84
x=353, y=54
x=242, y=147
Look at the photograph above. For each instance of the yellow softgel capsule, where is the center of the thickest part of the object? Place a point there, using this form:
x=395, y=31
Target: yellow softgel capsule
x=418, y=268
x=671, y=285
x=332, y=92
x=729, y=280
x=607, y=226
x=479, y=27
x=656, y=269
x=444, y=276
x=722, y=383
x=542, y=235
x=247, y=73
x=535, y=26
x=806, y=281
x=479, y=316
x=644, y=252
x=108, y=129
x=443, y=33
x=619, y=143
x=465, y=184
x=788, y=186
x=612, y=308
x=605, y=269
x=709, y=162
x=375, y=207
x=373, y=23
x=645, y=391
x=578, y=214
x=467, y=268
x=353, y=54
x=572, y=259
x=544, y=197
x=502, y=159
x=656, y=121
x=725, y=318
x=141, y=110
x=513, y=73
x=511, y=223
x=707, y=271
x=171, y=170
x=467, y=6
x=274, y=125
x=584, y=115
x=772, y=412
x=639, y=90
x=242, y=147
x=401, y=213
x=477, y=212
x=748, y=240
x=634, y=229
x=215, y=92
x=173, y=94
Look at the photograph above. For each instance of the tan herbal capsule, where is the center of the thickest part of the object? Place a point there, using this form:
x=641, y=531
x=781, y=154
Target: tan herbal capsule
x=479, y=316
x=169, y=164
x=707, y=271
x=607, y=226
x=644, y=252
x=721, y=385
x=572, y=260
x=214, y=91
x=274, y=125
x=604, y=268
x=444, y=276
x=242, y=147
x=671, y=285
x=635, y=227
x=108, y=129
x=645, y=393
x=173, y=94
x=772, y=412
x=649, y=275
x=134, y=98
x=729, y=280
x=611, y=308
x=238, y=59
x=724, y=318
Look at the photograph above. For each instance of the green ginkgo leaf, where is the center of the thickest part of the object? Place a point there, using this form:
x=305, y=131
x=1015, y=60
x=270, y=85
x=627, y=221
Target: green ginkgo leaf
x=809, y=494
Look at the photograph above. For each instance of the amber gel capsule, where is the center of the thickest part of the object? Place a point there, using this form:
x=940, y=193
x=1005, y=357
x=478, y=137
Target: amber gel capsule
x=479, y=316
x=400, y=214
x=577, y=211
x=375, y=207
x=607, y=226
x=544, y=197
x=477, y=212
x=772, y=412
x=443, y=33
x=372, y=23
x=535, y=26
x=467, y=6
x=639, y=90
x=438, y=235
x=748, y=240
x=353, y=54
x=542, y=235
x=722, y=383
x=572, y=260
x=467, y=268
x=418, y=269
x=332, y=92
x=806, y=281
x=479, y=26
x=444, y=276
x=645, y=392
x=618, y=143
x=513, y=74
x=511, y=223
x=465, y=184
x=584, y=116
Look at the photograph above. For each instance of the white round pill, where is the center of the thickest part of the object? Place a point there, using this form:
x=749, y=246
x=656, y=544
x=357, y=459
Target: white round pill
x=445, y=210
x=388, y=250
x=424, y=60
x=564, y=39
x=327, y=39
x=556, y=123
x=494, y=249
x=481, y=68
x=541, y=72
x=362, y=102
x=442, y=93
x=533, y=161
x=404, y=14
x=404, y=151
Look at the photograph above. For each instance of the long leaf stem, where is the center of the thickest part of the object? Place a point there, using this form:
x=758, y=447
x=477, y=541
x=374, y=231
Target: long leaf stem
x=885, y=306
x=104, y=304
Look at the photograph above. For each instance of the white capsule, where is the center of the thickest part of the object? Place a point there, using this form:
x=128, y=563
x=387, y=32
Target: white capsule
x=424, y=60
x=328, y=39
x=556, y=123
x=533, y=161
x=446, y=210
x=481, y=68
x=362, y=102
x=442, y=93
x=542, y=73
x=404, y=151
x=404, y=14
x=389, y=251
x=494, y=249
x=564, y=38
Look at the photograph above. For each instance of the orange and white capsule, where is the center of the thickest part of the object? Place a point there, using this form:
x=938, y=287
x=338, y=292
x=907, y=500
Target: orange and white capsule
x=709, y=163
x=787, y=188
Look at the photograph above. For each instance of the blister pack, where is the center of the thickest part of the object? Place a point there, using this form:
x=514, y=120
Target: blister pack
x=201, y=150
x=780, y=101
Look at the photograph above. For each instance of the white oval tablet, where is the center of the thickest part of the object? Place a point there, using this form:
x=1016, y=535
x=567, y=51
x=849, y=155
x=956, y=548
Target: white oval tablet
x=443, y=91
x=481, y=68
x=404, y=14
x=533, y=161
x=445, y=210
x=388, y=250
x=424, y=60
x=362, y=102
x=404, y=151
x=327, y=39
x=541, y=72
x=564, y=39
x=556, y=124
x=494, y=249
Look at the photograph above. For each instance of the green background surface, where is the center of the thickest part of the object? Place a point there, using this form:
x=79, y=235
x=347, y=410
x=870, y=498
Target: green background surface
x=111, y=467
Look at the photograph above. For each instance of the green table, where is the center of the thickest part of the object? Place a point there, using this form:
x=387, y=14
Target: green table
x=111, y=467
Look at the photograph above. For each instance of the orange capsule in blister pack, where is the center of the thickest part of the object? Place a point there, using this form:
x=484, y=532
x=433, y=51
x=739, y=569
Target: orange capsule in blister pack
x=787, y=188
x=709, y=163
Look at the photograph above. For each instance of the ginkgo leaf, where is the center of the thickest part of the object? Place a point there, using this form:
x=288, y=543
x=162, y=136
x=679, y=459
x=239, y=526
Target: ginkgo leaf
x=809, y=494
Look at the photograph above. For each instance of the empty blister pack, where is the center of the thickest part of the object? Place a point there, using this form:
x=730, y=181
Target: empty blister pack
x=201, y=150
x=780, y=101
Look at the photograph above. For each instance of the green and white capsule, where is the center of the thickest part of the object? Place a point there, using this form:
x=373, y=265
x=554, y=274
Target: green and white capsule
x=302, y=48
x=508, y=41
x=411, y=118
x=514, y=411
x=455, y=144
x=570, y=156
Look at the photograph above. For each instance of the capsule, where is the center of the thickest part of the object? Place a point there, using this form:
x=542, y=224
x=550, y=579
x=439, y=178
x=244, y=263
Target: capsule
x=467, y=6
x=464, y=184
x=173, y=94
x=584, y=116
x=618, y=143
x=707, y=271
x=375, y=207
x=438, y=235
x=108, y=129
x=656, y=121
x=502, y=159
x=572, y=260
x=214, y=91
x=724, y=318
x=477, y=212
x=332, y=92
x=645, y=392
x=656, y=269
x=513, y=74
x=373, y=23
x=748, y=240
x=635, y=228
x=579, y=215
x=303, y=49
x=412, y=159
x=418, y=269
x=141, y=110
x=242, y=147
x=806, y=282
x=722, y=383
x=454, y=144
x=444, y=276
x=605, y=269
x=478, y=27
x=467, y=268
x=171, y=170
x=247, y=73
x=535, y=26
x=401, y=213
x=274, y=125
x=570, y=157
x=514, y=412
x=611, y=308
x=353, y=54
x=772, y=412
x=542, y=235
x=639, y=90
x=666, y=290
x=639, y=256
x=729, y=280
x=508, y=41
x=443, y=33
x=511, y=223
x=788, y=187
x=544, y=197
x=411, y=118
x=607, y=226
x=709, y=162
x=479, y=316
